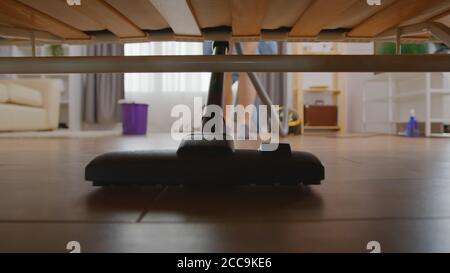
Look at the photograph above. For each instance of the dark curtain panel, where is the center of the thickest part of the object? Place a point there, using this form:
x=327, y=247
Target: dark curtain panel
x=275, y=83
x=102, y=92
x=5, y=51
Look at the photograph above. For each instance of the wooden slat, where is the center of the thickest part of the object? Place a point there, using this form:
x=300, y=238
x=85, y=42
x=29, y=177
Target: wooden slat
x=441, y=17
x=212, y=13
x=7, y=20
x=248, y=17
x=140, y=12
x=179, y=15
x=18, y=33
x=110, y=18
x=29, y=16
x=64, y=13
x=357, y=13
x=429, y=13
x=444, y=20
x=392, y=16
x=284, y=13
x=318, y=15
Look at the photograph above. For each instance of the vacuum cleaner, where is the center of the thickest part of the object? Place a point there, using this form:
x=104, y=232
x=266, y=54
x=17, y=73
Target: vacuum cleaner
x=203, y=160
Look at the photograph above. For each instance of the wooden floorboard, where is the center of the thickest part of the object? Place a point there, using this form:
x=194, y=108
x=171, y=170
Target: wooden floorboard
x=391, y=189
x=340, y=236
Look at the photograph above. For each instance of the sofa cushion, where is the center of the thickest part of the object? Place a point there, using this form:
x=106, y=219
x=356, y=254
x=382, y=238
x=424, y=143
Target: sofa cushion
x=22, y=118
x=22, y=95
x=3, y=93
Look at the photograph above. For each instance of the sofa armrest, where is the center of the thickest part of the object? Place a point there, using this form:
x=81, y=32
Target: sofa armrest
x=51, y=99
x=51, y=96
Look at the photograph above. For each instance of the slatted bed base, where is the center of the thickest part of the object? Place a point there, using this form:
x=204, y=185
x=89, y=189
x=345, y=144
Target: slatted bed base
x=96, y=21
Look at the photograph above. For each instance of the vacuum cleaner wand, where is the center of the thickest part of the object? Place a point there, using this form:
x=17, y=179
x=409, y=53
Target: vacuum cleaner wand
x=215, y=93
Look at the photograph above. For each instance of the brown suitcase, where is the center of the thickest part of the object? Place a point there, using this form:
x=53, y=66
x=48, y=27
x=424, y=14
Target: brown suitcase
x=321, y=115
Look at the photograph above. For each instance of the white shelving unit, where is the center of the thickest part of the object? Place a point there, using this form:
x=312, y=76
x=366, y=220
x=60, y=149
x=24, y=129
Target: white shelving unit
x=391, y=96
x=71, y=97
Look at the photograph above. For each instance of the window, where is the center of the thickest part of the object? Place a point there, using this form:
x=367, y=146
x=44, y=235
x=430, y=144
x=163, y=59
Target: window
x=165, y=82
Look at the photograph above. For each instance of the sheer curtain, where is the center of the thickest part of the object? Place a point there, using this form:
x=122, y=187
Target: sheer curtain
x=165, y=82
x=162, y=91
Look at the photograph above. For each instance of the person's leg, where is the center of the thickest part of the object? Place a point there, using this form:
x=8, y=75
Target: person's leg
x=246, y=93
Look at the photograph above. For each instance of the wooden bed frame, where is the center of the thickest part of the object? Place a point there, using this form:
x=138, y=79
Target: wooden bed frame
x=63, y=21
x=125, y=21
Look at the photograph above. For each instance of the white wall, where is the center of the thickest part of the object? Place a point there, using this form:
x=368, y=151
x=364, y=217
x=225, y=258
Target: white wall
x=355, y=83
x=446, y=102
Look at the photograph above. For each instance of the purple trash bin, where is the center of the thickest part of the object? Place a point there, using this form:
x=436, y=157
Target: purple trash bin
x=134, y=118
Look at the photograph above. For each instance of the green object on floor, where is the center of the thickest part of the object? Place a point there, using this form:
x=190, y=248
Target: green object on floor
x=56, y=50
x=389, y=48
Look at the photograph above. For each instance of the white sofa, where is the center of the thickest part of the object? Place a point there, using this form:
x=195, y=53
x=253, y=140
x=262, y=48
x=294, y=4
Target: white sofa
x=29, y=105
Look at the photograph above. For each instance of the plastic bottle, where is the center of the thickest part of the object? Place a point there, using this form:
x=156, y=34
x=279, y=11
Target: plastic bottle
x=412, y=129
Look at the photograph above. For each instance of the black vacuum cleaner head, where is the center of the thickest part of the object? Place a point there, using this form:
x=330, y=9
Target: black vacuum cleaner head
x=206, y=163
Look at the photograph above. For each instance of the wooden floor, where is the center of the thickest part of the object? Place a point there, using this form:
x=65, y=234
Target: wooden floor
x=388, y=189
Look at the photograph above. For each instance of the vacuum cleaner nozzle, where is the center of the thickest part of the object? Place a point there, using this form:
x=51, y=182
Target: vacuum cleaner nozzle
x=206, y=163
